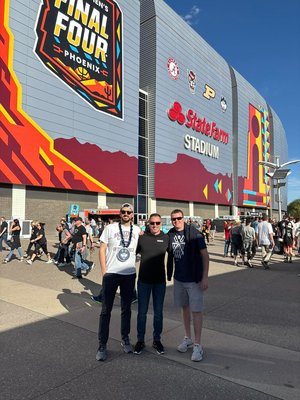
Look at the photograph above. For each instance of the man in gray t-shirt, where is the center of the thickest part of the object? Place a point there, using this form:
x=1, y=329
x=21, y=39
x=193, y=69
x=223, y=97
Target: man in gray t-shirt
x=249, y=242
x=265, y=241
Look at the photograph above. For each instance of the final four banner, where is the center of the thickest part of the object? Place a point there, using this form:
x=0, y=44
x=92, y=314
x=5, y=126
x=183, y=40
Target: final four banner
x=80, y=41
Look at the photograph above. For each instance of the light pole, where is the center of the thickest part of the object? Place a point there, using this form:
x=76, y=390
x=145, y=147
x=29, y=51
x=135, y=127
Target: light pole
x=279, y=173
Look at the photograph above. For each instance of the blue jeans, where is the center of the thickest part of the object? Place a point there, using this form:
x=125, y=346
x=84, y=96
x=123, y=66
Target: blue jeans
x=158, y=295
x=3, y=238
x=226, y=247
x=12, y=252
x=79, y=263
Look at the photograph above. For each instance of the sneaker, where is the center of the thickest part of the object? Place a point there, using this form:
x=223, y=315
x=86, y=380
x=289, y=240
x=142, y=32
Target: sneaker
x=97, y=299
x=250, y=264
x=139, y=347
x=266, y=265
x=101, y=353
x=134, y=300
x=61, y=264
x=21, y=259
x=5, y=261
x=197, y=353
x=90, y=269
x=158, y=347
x=185, y=345
x=29, y=262
x=127, y=347
x=50, y=261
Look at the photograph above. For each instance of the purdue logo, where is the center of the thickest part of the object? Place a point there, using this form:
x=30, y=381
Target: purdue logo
x=80, y=41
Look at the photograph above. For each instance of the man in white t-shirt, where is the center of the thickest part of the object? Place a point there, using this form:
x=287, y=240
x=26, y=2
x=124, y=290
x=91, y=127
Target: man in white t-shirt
x=265, y=240
x=117, y=262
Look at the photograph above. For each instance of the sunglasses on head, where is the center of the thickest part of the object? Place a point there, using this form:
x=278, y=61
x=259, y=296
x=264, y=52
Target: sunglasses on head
x=126, y=212
x=155, y=223
x=176, y=219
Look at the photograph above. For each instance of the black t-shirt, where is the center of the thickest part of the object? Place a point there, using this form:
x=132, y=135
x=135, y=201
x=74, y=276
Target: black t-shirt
x=40, y=232
x=152, y=249
x=78, y=233
x=183, y=271
x=3, y=226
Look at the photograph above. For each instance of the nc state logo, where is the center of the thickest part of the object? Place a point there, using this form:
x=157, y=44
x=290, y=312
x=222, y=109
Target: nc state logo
x=175, y=113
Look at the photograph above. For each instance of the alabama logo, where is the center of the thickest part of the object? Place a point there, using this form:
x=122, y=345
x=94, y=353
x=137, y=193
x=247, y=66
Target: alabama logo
x=80, y=41
x=173, y=68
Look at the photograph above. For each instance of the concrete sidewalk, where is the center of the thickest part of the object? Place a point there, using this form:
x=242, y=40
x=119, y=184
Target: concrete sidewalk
x=251, y=337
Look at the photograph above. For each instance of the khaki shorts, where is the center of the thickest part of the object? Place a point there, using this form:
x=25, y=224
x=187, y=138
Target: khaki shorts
x=188, y=294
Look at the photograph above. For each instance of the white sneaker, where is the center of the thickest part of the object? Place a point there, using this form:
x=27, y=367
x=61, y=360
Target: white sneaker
x=197, y=353
x=49, y=261
x=185, y=345
x=29, y=262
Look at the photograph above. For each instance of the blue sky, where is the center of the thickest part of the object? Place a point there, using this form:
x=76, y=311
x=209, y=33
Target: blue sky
x=261, y=40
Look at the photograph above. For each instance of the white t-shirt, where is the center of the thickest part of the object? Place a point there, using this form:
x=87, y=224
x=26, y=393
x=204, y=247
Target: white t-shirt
x=112, y=237
x=264, y=229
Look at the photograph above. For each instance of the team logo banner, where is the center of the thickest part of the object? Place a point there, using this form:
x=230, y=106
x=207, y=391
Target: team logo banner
x=80, y=41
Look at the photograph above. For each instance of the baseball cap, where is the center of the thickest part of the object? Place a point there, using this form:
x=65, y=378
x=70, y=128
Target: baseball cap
x=78, y=219
x=127, y=205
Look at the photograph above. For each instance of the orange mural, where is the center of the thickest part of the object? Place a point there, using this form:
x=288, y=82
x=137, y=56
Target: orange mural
x=256, y=188
x=27, y=153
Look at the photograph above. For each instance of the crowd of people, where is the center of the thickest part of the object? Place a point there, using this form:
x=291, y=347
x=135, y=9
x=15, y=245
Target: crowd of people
x=241, y=239
x=181, y=255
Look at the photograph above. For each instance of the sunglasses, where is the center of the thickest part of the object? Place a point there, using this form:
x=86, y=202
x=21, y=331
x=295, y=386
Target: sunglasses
x=155, y=223
x=176, y=219
x=126, y=212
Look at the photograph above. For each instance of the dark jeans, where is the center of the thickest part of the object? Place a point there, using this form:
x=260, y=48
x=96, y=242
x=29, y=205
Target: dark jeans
x=3, y=238
x=110, y=285
x=226, y=247
x=158, y=295
x=62, y=254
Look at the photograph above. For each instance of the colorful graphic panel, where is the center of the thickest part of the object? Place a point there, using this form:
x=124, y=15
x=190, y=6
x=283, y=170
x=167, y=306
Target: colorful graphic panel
x=29, y=156
x=81, y=43
x=256, y=186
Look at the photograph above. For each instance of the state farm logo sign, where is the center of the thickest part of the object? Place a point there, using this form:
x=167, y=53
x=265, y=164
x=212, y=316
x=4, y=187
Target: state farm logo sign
x=80, y=41
x=191, y=120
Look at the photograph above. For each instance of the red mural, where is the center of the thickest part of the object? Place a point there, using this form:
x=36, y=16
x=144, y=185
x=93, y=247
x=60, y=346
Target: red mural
x=28, y=155
x=188, y=180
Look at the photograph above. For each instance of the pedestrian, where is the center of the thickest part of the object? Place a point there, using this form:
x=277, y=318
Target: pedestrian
x=41, y=243
x=79, y=240
x=117, y=261
x=33, y=235
x=15, y=231
x=62, y=256
x=227, y=242
x=265, y=240
x=236, y=238
x=187, y=250
x=249, y=240
x=288, y=240
x=3, y=233
x=152, y=247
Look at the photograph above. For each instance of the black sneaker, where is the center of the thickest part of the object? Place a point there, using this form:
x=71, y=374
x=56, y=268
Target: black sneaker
x=97, y=299
x=158, y=347
x=139, y=347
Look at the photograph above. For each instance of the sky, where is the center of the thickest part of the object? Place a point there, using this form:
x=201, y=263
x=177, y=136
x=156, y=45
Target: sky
x=261, y=40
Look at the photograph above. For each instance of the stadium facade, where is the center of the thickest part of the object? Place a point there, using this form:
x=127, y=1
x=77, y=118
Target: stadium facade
x=103, y=102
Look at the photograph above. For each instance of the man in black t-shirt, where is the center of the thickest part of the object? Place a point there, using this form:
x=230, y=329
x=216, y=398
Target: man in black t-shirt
x=3, y=232
x=152, y=247
x=79, y=244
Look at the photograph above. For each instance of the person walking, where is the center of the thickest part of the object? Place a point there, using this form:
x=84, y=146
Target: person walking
x=188, y=251
x=117, y=261
x=152, y=247
x=288, y=240
x=15, y=231
x=3, y=232
x=31, y=243
x=236, y=238
x=249, y=242
x=41, y=243
x=79, y=240
x=265, y=241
